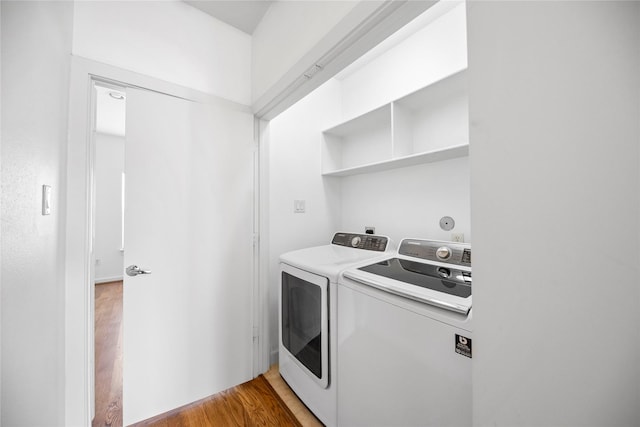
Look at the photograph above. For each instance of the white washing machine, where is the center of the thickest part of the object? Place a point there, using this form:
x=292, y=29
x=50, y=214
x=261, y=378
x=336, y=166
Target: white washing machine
x=307, y=315
x=404, y=338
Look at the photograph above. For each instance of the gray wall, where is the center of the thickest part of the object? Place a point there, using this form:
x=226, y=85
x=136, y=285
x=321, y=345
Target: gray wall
x=36, y=47
x=555, y=112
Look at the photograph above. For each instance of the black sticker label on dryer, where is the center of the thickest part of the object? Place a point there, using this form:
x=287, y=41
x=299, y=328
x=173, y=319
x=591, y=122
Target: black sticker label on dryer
x=463, y=345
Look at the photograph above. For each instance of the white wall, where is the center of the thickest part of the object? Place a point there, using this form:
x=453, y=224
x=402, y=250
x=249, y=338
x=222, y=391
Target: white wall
x=109, y=165
x=409, y=202
x=555, y=135
x=36, y=47
x=432, y=52
x=169, y=40
x=287, y=32
x=294, y=173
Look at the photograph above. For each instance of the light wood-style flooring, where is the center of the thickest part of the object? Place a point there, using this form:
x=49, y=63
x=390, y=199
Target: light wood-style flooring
x=108, y=342
x=263, y=401
x=301, y=412
x=253, y=403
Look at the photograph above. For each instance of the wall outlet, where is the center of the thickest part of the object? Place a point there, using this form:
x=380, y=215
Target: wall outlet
x=457, y=237
x=299, y=206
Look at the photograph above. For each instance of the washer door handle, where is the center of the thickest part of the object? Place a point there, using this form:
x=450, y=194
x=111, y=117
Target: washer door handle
x=134, y=270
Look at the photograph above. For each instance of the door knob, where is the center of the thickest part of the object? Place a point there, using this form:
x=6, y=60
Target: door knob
x=134, y=270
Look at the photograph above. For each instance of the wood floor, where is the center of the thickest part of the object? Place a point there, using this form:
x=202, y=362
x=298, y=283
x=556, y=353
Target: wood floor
x=253, y=403
x=108, y=336
x=301, y=412
x=263, y=401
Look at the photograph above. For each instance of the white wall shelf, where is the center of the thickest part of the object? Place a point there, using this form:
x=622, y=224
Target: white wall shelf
x=362, y=140
x=410, y=160
x=428, y=125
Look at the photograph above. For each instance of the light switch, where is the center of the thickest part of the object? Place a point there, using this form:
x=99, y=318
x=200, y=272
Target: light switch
x=46, y=200
x=299, y=206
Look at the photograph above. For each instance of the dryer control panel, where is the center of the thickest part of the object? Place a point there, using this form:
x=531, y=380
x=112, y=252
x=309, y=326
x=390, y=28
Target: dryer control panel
x=361, y=241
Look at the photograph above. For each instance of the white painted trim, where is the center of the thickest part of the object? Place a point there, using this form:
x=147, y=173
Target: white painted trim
x=115, y=76
x=258, y=308
x=366, y=25
x=91, y=297
x=263, y=269
x=1, y=233
x=108, y=279
x=77, y=268
x=79, y=213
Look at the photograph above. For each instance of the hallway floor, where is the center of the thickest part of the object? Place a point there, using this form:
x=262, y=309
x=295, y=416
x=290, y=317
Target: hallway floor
x=108, y=354
x=266, y=400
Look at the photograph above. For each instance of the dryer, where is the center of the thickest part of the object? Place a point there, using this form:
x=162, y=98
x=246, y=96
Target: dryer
x=308, y=315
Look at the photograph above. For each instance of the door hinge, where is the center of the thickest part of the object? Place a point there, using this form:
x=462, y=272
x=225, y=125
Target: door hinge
x=256, y=333
x=256, y=239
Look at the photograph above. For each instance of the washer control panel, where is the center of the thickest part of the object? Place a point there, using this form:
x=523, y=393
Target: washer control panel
x=368, y=242
x=434, y=250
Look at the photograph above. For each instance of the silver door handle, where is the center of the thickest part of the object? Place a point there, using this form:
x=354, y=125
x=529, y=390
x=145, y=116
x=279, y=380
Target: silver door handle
x=134, y=270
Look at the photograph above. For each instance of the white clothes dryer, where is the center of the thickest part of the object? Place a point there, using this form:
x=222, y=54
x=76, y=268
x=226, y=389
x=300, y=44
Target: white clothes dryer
x=308, y=315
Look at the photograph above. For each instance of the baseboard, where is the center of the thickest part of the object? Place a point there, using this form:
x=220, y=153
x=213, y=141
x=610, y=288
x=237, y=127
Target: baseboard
x=108, y=279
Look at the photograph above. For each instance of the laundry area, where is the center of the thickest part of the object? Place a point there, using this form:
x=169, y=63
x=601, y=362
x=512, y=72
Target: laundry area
x=383, y=147
x=343, y=213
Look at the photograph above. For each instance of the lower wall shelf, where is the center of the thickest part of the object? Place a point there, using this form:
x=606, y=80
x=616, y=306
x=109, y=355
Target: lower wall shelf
x=411, y=160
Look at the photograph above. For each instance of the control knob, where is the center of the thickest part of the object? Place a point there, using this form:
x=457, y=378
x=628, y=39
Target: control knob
x=443, y=252
x=356, y=241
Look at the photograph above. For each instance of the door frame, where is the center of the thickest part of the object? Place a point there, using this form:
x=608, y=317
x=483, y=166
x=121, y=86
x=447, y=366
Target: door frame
x=79, y=388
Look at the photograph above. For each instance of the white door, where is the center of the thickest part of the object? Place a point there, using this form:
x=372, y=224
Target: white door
x=188, y=219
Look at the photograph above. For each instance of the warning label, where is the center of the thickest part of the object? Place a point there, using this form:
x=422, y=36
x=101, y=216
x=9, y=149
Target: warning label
x=463, y=345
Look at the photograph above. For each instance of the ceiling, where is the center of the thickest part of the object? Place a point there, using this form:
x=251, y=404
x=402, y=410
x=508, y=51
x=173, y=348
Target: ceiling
x=244, y=15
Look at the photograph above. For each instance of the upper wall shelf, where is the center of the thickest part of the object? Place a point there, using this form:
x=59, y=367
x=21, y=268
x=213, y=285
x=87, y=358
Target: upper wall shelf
x=380, y=117
x=425, y=126
x=410, y=160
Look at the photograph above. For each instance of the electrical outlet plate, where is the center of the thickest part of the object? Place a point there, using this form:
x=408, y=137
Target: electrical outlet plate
x=457, y=237
x=299, y=206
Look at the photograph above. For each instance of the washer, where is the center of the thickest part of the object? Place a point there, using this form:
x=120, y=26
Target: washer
x=307, y=315
x=404, y=338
